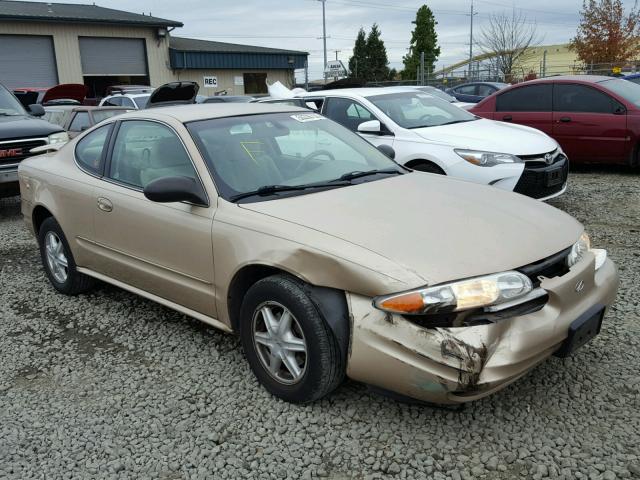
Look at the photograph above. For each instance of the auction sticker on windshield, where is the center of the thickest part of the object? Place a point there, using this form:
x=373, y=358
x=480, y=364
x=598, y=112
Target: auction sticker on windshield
x=307, y=117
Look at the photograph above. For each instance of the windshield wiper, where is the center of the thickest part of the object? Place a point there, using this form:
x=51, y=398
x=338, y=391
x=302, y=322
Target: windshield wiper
x=358, y=174
x=271, y=189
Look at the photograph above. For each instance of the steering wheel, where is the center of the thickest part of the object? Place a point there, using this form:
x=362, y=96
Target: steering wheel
x=306, y=160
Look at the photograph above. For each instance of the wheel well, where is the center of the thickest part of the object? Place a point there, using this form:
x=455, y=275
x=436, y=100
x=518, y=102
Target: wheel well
x=40, y=214
x=243, y=280
x=331, y=303
x=415, y=164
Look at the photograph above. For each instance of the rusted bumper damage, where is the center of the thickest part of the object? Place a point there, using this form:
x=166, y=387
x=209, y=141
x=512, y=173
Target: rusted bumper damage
x=455, y=365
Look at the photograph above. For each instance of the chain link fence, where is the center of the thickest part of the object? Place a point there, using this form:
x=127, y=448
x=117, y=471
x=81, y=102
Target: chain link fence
x=446, y=78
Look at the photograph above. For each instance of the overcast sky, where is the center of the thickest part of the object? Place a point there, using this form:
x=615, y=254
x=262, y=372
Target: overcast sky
x=297, y=24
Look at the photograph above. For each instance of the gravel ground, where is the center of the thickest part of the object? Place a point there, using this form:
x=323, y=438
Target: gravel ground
x=109, y=385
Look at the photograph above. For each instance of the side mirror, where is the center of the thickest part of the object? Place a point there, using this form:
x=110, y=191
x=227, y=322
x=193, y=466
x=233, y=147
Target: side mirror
x=175, y=189
x=372, y=126
x=619, y=110
x=388, y=151
x=36, y=110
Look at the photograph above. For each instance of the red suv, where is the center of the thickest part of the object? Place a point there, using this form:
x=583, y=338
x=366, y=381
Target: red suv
x=594, y=119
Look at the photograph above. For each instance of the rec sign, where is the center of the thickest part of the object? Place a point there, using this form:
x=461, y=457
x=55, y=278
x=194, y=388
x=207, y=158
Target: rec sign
x=210, y=82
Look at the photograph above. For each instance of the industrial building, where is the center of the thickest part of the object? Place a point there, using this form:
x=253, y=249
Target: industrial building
x=43, y=44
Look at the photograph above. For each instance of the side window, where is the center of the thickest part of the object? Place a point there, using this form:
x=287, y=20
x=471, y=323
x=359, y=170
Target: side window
x=314, y=103
x=578, y=98
x=485, y=90
x=113, y=102
x=532, y=98
x=146, y=151
x=80, y=122
x=126, y=102
x=347, y=113
x=466, y=90
x=89, y=149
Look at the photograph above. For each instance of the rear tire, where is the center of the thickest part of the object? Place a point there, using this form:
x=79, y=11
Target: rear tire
x=58, y=261
x=313, y=367
x=428, y=167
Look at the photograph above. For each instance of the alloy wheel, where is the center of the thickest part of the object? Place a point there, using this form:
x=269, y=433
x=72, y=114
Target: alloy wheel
x=280, y=343
x=56, y=259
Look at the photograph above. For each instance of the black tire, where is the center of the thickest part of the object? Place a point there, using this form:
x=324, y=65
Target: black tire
x=75, y=281
x=427, y=167
x=324, y=369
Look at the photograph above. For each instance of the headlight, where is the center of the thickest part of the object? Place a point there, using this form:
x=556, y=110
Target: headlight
x=60, y=137
x=456, y=296
x=582, y=246
x=487, y=159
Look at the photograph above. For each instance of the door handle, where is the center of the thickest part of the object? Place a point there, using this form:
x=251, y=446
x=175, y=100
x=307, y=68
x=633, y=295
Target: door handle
x=507, y=118
x=105, y=204
x=565, y=119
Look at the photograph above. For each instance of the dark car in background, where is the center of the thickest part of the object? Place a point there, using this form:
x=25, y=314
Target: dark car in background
x=634, y=77
x=76, y=119
x=595, y=119
x=475, y=92
x=20, y=131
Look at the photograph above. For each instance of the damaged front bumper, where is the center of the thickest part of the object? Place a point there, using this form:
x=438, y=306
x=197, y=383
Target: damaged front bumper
x=456, y=365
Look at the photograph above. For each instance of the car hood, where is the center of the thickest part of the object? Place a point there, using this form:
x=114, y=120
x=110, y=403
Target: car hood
x=22, y=126
x=437, y=229
x=491, y=136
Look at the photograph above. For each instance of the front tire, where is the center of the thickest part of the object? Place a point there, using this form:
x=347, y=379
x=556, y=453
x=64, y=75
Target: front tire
x=288, y=344
x=58, y=261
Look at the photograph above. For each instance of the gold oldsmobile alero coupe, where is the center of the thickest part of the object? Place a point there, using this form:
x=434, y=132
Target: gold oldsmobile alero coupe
x=324, y=255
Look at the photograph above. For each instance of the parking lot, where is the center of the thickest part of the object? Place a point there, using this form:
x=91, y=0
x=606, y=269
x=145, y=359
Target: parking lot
x=109, y=385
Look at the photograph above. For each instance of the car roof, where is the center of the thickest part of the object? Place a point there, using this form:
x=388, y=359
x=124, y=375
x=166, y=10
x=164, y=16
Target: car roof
x=356, y=92
x=205, y=111
x=573, y=78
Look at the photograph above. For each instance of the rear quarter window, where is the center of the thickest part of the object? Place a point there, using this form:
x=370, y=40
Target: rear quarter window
x=90, y=150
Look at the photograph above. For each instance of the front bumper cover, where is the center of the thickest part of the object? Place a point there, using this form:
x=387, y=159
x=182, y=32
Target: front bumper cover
x=456, y=365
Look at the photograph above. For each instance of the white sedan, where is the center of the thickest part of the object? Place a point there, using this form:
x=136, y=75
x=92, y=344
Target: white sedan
x=434, y=136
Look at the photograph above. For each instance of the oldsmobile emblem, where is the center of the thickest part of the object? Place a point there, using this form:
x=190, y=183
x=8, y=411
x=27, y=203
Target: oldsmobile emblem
x=579, y=286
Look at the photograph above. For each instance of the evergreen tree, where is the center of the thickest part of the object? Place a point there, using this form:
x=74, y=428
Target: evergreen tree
x=377, y=59
x=423, y=39
x=358, y=65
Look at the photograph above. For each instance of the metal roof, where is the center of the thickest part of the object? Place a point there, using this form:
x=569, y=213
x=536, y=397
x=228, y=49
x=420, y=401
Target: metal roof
x=77, y=13
x=191, y=53
x=195, y=45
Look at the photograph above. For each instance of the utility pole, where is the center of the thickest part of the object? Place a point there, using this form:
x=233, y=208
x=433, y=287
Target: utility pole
x=472, y=14
x=421, y=68
x=324, y=38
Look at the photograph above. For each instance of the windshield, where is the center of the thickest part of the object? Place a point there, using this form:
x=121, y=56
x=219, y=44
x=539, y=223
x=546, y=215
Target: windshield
x=628, y=90
x=247, y=153
x=438, y=94
x=141, y=102
x=417, y=110
x=9, y=105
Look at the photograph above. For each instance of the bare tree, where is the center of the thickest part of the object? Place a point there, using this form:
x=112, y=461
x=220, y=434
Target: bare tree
x=506, y=42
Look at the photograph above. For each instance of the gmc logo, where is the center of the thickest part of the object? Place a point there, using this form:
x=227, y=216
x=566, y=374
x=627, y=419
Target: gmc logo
x=11, y=152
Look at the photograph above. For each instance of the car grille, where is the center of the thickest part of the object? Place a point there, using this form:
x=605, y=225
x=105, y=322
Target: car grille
x=536, y=179
x=553, y=266
x=13, y=152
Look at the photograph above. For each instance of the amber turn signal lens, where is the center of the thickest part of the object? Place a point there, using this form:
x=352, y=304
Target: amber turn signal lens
x=407, y=303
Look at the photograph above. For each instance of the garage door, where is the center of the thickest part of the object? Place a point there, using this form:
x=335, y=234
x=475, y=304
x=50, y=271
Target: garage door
x=113, y=56
x=27, y=61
